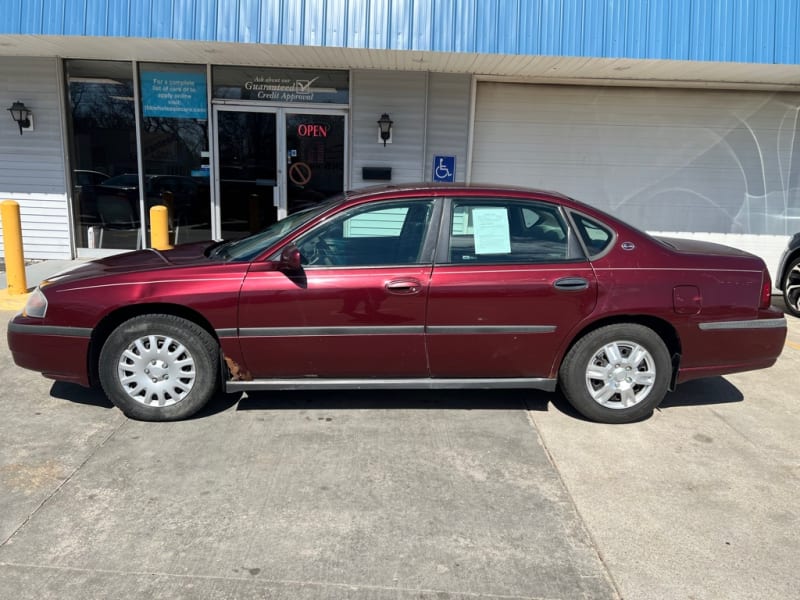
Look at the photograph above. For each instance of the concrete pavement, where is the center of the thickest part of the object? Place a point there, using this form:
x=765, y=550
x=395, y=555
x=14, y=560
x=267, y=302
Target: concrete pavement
x=700, y=501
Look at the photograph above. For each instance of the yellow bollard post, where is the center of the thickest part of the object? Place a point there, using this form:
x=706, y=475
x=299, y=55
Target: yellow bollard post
x=159, y=228
x=12, y=248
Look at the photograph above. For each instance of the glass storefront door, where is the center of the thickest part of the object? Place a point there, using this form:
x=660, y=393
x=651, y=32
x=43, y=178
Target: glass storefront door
x=247, y=171
x=315, y=153
x=271, y=162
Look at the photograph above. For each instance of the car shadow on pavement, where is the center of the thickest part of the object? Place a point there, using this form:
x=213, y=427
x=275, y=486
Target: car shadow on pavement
x=711, y=390
x=79, y=394
x=396, y=399
x=337, y=399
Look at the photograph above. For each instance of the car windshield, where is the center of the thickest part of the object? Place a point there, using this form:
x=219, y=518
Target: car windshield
x=248, y=248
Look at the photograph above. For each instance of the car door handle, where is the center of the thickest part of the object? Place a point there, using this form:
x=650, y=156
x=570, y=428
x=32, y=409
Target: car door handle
x=404, y=286
x=571, y=284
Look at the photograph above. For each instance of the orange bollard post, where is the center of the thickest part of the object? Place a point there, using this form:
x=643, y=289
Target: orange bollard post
x=12, y=248
x=159, y=228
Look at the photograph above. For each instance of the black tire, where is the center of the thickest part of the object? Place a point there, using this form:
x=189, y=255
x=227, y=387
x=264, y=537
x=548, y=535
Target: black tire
x=791, y=288
x=170, y=365
x=616, y=374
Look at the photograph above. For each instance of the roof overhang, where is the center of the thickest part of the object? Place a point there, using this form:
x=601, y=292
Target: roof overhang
x=550, y=69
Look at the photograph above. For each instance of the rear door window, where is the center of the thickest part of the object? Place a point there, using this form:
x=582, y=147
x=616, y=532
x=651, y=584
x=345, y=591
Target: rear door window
x=507, y=231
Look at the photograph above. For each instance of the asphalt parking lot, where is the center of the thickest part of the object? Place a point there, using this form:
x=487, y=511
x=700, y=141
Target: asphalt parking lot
x=401, y=495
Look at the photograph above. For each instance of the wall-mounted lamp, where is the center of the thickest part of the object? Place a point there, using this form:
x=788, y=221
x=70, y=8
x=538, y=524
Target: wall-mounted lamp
x=22, y=116
x=385, y=129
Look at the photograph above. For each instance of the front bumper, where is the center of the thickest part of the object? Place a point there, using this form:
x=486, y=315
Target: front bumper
x=57, y=352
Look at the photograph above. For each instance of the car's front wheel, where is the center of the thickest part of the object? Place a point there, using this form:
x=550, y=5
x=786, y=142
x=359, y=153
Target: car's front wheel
x=791, y=288
x=159, y=367
x=616, y=374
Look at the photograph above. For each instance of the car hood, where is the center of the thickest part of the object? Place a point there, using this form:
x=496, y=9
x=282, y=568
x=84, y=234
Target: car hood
x=133, y=262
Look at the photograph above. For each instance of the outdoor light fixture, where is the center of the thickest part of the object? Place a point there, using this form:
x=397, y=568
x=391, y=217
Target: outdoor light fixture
x=385, y=128
x=21, y=115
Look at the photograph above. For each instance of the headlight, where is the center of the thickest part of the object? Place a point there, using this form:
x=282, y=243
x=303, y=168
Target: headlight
x=36, y=306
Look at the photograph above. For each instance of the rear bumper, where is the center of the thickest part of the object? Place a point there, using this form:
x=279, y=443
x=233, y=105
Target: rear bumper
x=59, y=353
x=715, y=348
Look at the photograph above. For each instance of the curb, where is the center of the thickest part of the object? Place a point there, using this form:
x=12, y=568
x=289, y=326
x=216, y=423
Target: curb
x=12, y=302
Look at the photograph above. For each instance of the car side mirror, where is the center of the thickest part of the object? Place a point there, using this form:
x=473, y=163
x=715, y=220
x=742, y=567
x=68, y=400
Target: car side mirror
x=290, y=259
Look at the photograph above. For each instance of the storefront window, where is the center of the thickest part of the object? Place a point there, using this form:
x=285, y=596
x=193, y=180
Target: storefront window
x=107, y=203
x=175, y=147
x=103, y=154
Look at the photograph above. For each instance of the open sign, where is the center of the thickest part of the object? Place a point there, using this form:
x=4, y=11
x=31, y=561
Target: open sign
x=312, y=130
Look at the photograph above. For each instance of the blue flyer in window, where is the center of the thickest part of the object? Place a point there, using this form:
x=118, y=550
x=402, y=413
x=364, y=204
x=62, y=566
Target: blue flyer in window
x=177, y=95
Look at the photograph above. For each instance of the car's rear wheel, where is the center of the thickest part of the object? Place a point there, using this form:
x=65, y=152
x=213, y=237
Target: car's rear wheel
x=616, y=374
x=791, y=288
x=159, y=367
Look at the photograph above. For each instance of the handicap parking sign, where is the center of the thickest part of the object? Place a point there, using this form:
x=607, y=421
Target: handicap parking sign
x=444, y=168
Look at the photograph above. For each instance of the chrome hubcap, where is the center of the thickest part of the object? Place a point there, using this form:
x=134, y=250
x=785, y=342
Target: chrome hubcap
x=156, y=370
x=620, y=374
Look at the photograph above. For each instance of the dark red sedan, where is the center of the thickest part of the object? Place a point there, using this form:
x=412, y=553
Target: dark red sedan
x=413, y=287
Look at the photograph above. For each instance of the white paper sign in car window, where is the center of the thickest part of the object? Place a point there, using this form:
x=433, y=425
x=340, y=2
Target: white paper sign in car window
x=491, y=230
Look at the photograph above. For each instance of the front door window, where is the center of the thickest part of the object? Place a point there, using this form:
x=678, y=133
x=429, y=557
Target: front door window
x=387, y=234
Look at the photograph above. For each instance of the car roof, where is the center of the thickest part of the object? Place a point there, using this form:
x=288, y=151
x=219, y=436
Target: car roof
x=466, y=189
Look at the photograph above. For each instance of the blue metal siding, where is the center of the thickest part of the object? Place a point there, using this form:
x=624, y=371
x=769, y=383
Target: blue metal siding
x=29, y=14
x=756, y=31
x=52, y=18
x=787, y=21
x=116, y=23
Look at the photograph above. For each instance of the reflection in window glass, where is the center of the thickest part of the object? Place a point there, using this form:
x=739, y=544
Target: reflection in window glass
x=102, y=127
x=175, y=147
x=378, y=223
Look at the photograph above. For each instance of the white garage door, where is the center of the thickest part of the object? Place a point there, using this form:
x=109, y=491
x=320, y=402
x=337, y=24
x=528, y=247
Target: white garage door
x=662, y=159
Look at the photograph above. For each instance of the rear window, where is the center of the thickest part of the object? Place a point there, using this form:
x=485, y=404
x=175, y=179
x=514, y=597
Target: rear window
x=596, y=237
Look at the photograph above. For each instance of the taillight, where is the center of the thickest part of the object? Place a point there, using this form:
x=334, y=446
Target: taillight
x=766, y=291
